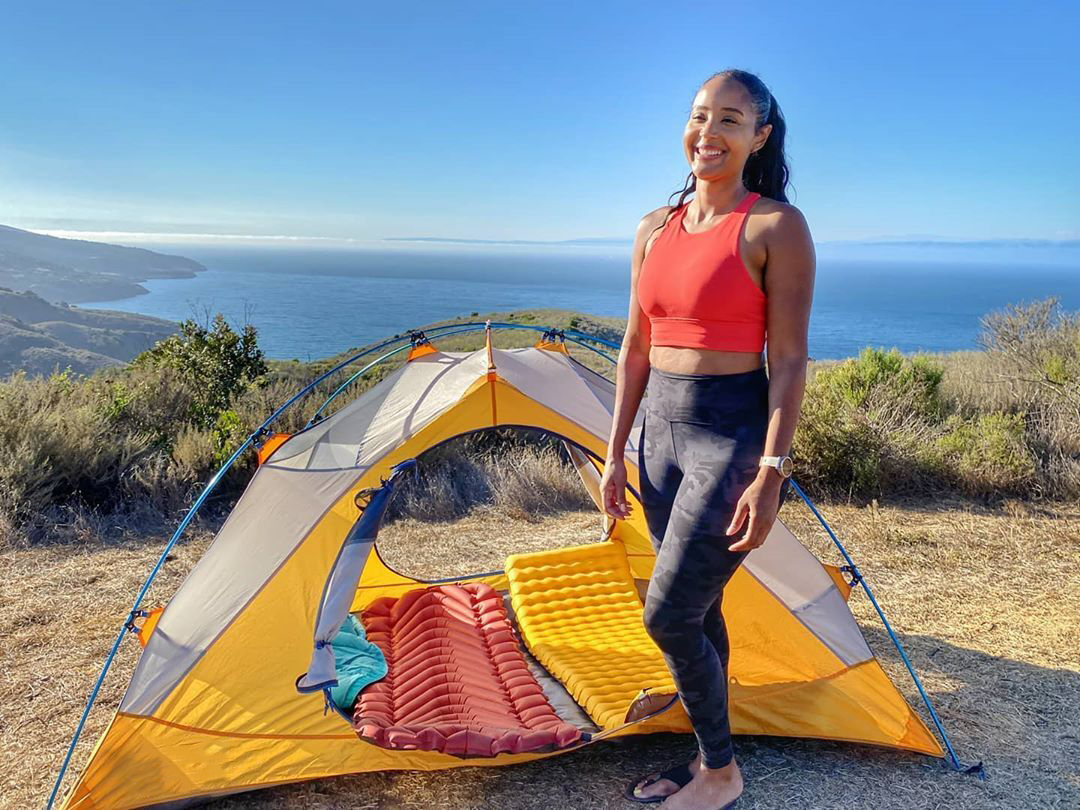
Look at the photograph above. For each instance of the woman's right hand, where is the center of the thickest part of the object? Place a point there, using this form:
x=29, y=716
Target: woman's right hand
x=613, y=489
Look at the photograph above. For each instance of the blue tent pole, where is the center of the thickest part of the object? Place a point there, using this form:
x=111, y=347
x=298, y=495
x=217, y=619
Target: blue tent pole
x=977, y=768
x=134, y=611
x=452, y=329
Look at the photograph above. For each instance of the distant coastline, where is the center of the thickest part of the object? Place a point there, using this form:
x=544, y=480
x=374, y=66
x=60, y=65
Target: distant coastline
x=78, y=271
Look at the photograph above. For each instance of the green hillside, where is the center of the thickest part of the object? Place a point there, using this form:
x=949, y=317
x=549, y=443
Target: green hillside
x=38, y=337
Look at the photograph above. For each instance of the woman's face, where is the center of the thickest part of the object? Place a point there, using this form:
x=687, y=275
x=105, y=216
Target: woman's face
x=719, y=135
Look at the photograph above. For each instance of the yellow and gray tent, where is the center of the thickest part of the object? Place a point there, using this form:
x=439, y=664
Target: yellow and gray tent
x=215, y=706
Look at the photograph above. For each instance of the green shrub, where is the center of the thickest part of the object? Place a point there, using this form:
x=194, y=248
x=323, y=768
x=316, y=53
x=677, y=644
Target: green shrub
x=835, y=446
x=218, y=362
x=986, y=454
x=916, y=380
x=229, y=433
x=146, y=399
x=150, y=432
x=862, y=421
x=57, y=443
x=1035, y=351
x=194, y=454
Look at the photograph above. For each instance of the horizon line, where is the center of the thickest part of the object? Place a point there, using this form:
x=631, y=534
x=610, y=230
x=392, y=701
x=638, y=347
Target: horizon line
x=183, y=237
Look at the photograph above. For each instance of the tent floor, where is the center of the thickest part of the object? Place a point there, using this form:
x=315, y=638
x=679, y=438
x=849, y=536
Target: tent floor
x=560, y=699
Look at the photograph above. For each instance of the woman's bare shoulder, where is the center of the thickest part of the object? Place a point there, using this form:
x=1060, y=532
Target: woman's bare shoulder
x=781, y=212
x=649, y=228
x=654, y=218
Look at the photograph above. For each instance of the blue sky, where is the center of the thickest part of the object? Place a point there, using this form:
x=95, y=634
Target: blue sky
x=536, y=121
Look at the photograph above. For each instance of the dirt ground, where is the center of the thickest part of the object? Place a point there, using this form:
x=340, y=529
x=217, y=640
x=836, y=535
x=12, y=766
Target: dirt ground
x=984, y=601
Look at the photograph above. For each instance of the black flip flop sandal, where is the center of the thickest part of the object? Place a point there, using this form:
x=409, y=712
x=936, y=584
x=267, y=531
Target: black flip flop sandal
x=679, y=774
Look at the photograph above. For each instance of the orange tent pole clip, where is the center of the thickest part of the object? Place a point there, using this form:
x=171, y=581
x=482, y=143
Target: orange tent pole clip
x=150, y=620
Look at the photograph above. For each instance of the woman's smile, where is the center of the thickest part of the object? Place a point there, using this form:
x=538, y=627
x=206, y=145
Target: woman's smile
x=710, y=153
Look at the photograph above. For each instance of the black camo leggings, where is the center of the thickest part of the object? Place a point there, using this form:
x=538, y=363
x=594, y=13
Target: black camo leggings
x=702, y=438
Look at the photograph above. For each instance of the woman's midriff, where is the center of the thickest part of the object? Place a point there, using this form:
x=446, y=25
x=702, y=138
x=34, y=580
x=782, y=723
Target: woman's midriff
x=683, y=360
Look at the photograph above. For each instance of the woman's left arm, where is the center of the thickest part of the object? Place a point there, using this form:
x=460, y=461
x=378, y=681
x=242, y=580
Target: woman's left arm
x=789, y=286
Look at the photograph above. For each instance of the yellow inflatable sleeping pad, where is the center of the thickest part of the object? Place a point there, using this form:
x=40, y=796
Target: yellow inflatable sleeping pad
x=580, y=615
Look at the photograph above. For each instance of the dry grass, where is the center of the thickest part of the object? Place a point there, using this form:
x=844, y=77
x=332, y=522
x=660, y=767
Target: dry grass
x=984, y=602
x=520, y=476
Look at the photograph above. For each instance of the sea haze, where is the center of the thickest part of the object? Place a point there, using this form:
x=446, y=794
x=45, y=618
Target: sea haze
x=311, y=303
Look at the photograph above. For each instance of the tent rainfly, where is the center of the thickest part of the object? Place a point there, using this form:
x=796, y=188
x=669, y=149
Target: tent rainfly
x=230, y=692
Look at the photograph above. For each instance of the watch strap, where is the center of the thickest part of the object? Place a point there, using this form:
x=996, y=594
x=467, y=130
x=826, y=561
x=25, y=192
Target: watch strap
x=775, y=462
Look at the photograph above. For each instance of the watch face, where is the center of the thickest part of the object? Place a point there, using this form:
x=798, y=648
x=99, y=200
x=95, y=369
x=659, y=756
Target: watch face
x=786, y=466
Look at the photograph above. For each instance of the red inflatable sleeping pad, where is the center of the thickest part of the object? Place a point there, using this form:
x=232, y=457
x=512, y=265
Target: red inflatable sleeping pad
x=456, y=679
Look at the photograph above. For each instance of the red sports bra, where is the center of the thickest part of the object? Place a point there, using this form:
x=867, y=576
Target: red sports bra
x=694, y=288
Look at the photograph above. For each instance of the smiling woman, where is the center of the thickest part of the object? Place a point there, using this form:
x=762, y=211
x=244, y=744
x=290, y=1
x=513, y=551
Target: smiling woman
x=713, y=457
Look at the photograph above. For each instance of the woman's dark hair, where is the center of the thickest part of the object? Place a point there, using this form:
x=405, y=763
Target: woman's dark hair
x=766, y=170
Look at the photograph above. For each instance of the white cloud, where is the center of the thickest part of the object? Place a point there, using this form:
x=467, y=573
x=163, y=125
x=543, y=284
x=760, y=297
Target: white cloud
x=141, y=237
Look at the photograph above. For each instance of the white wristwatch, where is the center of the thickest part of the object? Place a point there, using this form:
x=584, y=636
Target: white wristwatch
x=783, y=464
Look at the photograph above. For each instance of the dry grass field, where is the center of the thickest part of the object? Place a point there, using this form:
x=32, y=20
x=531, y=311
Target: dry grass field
x=984, y=601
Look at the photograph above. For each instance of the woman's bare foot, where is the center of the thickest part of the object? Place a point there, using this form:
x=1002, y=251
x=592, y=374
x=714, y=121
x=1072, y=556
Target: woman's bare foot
x=664, y=787
x=710, y=788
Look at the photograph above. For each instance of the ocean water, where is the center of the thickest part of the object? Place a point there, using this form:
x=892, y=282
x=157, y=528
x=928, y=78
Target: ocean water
x=312, y=303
